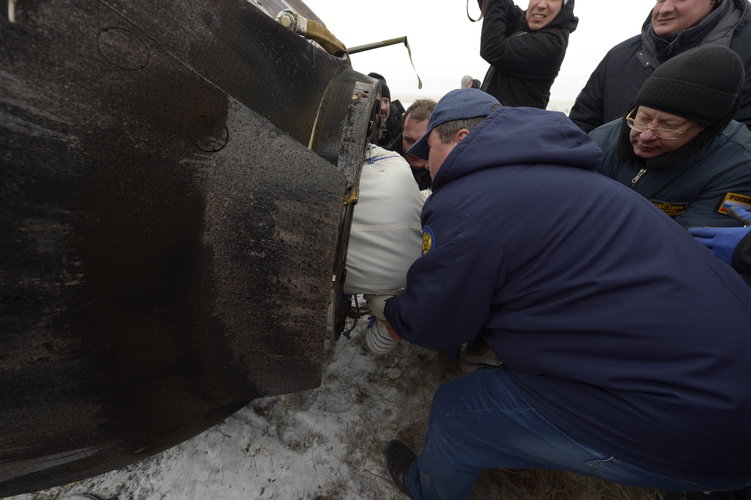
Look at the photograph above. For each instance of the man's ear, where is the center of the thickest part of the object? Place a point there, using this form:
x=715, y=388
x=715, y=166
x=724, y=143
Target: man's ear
x=461, y=134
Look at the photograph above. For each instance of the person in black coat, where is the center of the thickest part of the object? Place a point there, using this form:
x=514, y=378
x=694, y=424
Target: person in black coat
x=669, y=30
x=390, y=114
x=525, y=48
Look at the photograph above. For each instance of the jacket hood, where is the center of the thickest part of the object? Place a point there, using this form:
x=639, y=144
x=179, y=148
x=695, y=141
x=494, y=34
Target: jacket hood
x=513, y=136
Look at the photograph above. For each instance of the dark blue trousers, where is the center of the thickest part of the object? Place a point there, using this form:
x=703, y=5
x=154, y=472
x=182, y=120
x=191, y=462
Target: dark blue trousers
x=481, y=421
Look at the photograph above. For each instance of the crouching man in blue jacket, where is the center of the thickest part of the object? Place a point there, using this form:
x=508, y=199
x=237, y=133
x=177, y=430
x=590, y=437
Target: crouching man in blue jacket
x=624, y=341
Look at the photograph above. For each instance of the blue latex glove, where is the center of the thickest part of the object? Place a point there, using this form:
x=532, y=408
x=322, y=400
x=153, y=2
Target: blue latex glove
x=721, y=241
x=741, y=214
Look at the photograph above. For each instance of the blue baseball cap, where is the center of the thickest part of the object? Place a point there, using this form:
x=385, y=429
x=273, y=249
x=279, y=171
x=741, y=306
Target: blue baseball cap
x=456, y=105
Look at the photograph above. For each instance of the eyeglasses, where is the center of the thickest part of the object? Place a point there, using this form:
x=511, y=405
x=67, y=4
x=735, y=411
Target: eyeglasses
x=662, y=133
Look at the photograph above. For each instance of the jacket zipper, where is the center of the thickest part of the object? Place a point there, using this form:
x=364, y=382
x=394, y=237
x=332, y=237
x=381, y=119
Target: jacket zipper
x=638, y=176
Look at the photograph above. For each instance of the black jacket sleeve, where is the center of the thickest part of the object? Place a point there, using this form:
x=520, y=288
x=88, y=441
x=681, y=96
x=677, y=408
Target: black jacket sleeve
x=742, y=258
x=587, y=111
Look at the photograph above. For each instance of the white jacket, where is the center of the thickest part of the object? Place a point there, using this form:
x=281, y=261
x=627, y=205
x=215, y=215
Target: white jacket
x=386, y=235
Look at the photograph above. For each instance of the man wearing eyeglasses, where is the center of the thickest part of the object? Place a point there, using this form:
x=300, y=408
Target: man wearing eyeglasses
x=525, y=48
x=678, y=145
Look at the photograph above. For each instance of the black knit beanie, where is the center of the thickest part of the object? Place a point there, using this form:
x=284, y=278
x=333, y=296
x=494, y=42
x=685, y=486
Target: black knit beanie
x=385, y=92
x=702, y=84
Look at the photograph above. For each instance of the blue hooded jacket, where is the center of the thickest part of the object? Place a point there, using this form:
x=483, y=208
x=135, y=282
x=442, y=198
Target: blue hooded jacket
x=613, y=321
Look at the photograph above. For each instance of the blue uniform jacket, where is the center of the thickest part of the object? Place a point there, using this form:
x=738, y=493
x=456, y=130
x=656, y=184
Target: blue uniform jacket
x=693, y=191
x=614, y=322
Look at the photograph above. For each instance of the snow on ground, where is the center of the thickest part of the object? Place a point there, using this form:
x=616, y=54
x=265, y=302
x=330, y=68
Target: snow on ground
x=326, y=443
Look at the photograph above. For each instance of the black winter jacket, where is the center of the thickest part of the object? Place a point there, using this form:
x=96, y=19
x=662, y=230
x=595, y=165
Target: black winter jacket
x=615, y=82
x=523, y=62
x=742, y=264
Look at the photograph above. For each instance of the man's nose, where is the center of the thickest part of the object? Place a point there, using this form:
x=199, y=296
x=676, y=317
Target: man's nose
x=651, y=135
x=666, y=6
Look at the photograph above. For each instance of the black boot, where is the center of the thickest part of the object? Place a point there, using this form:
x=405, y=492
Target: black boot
x=398, y=459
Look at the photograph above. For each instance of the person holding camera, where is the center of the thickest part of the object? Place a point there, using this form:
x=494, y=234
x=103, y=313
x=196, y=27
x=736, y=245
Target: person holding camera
x=525, y=48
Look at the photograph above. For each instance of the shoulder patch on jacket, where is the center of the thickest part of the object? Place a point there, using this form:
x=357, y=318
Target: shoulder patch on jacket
x=733, y=200
x=428, y=239
x=671, y=208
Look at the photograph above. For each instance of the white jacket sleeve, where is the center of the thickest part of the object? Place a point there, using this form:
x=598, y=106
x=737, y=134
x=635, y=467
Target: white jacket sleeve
x=386, y=235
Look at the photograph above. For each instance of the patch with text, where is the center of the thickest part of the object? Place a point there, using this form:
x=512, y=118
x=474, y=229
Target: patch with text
x=671, y=208
x=734, y=200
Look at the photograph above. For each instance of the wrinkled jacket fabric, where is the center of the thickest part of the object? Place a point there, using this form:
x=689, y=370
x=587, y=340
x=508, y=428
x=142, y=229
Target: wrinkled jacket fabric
x=385, y=235
x=615, y=324
x=524, y=63
x=613, y=85
x=697, y=185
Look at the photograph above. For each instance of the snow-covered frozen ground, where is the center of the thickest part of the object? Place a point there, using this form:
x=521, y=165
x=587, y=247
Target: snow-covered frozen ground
x=324, y=444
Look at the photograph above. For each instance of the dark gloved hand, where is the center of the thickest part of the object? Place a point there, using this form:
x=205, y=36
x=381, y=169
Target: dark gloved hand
x=721, y=241
x=741, y=214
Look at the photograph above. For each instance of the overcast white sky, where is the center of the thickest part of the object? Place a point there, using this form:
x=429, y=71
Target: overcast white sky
x=445, y=44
